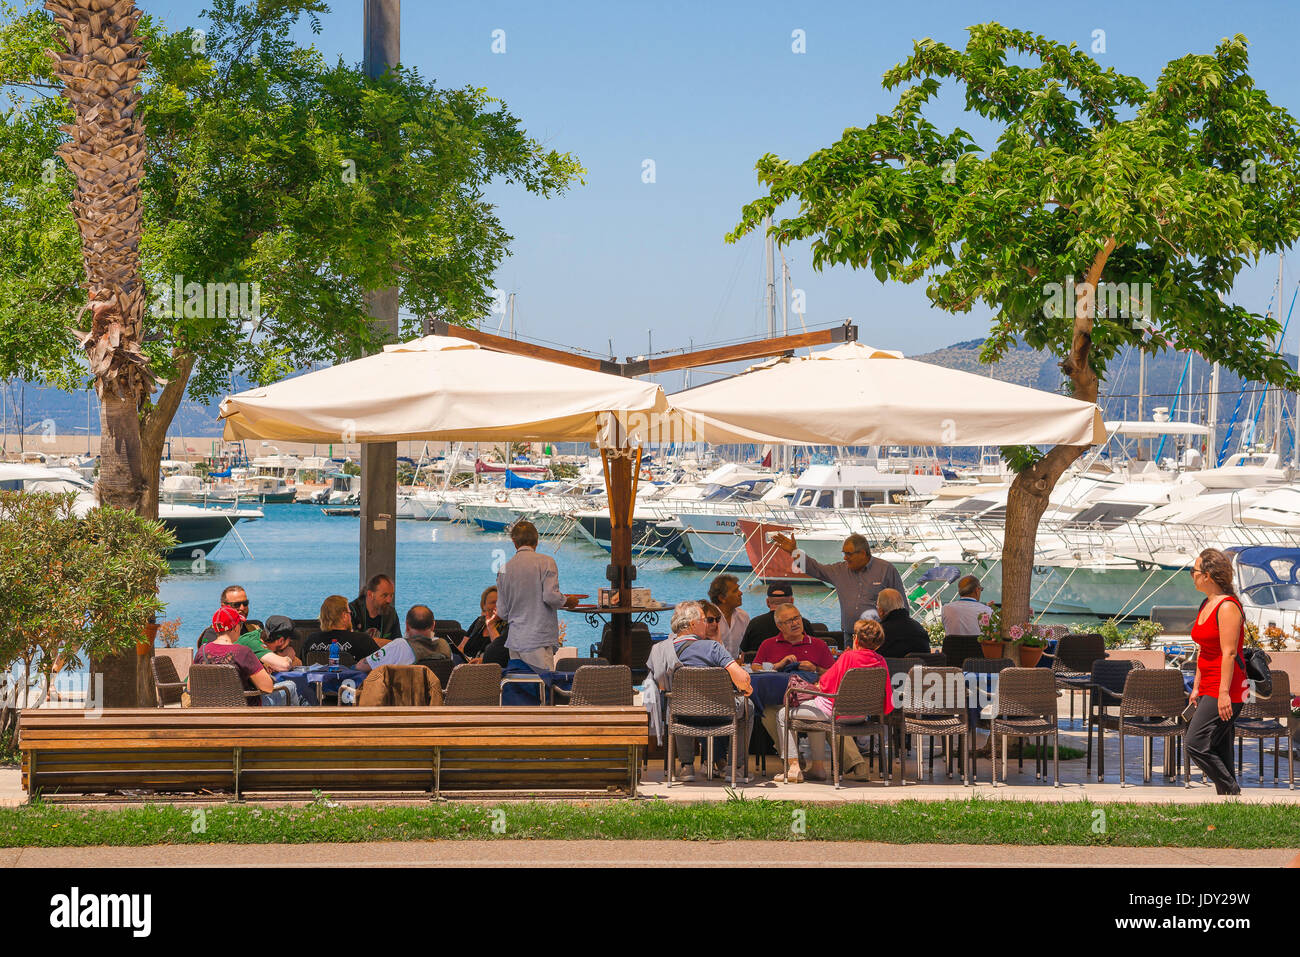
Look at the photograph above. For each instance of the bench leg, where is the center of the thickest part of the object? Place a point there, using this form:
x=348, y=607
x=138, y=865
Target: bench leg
x=239, y=755
x=437, y=774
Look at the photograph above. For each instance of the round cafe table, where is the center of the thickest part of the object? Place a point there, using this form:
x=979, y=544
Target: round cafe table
x=314, y=682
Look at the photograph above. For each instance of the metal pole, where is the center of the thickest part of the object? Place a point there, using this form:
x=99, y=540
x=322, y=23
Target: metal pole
x=770, y=298
x=381, y=44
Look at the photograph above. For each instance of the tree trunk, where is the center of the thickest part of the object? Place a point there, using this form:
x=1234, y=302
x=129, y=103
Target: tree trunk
x=121, y=462
x=153, y=430
x=1027, y=499
x=98, y=59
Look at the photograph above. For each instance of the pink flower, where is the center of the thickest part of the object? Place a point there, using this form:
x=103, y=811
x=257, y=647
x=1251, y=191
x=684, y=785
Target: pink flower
x=1016, y=632
x=984, y=620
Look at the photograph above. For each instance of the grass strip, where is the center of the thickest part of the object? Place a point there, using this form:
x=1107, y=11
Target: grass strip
x=975, y=821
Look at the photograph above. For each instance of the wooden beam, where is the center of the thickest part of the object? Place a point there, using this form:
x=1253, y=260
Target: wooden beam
x=758, y=349
x=497, y=343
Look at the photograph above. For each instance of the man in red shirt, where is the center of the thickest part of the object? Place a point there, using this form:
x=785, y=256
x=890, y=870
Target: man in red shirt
x=793, y=646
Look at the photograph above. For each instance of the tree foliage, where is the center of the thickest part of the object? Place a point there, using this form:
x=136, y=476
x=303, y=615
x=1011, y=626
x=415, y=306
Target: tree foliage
x=268, y=165
x=1193, y=179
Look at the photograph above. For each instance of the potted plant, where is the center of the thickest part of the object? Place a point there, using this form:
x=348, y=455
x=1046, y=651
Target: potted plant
x=1031, y=644
x=991, y=641
x=1144, y=632
x=935, y=630
x=169, y=632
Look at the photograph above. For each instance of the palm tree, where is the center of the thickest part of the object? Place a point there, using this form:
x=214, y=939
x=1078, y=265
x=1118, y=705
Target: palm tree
x=99, y=60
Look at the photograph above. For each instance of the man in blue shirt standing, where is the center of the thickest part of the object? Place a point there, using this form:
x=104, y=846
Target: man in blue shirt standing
x=528, y=597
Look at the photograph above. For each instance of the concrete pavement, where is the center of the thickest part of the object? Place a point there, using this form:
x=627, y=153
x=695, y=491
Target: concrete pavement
x=510, y=853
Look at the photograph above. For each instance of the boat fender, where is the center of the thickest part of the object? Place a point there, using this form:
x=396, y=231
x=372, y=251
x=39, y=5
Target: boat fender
x=501, y=497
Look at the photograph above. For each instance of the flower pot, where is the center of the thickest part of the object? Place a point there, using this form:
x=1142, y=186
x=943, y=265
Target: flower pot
x=142, y=647
x=1029, y=656
x=992, y=649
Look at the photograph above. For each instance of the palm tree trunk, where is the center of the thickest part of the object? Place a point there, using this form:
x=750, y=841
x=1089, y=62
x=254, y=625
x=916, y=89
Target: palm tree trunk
x=99, y=60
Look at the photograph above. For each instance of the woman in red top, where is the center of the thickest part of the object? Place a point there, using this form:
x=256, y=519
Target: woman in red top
x=1220, y=686
x=867, y=637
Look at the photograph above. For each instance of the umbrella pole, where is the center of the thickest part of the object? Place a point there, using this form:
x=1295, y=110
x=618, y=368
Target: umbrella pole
x=621, y=469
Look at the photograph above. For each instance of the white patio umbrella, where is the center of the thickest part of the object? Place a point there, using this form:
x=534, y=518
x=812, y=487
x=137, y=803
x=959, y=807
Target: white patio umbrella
x=856, y=395
x=439, y=388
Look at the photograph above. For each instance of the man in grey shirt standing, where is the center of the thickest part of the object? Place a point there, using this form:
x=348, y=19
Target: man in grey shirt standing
x=528, y=596
x=858, y=580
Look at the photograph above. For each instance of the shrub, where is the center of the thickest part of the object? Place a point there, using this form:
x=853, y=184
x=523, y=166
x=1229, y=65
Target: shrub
x=71, y=587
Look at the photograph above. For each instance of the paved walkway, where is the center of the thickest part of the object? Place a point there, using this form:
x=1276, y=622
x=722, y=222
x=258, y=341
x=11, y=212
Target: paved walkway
x=508, y=853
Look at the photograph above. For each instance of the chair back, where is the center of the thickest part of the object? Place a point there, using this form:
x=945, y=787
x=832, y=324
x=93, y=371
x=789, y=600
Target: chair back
x=639, y=648
x=1076, y=653
x=702, y=693
x=1275, y=706
x=450, y=629
x=602, y=686
x=1112, y=674
x=573, y=664
x=862, y=693
x=164, y=673
x=987, y=666
x=935, y=692
x=1153, y=693
x=937, y=658
x=958, y=648
x=1027, y=693
x=216, y=686
x=441, y=667
x=473, y=686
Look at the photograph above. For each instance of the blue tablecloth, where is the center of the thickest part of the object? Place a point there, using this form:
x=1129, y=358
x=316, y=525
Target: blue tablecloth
x=769, y=689
x=315, y=681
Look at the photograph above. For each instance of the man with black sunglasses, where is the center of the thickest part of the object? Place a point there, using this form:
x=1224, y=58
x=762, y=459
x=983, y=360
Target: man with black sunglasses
x=234, y=596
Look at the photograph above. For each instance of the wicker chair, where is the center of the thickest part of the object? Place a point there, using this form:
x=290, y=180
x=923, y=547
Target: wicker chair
x=859, y=711
x=167, y=683
x=1026, y=707
x=573, y=664
x=947, y=719
x=596, y=686
x=981, y=666
x=472, y=686
x=702, y=704
x=442, y=667
x=346, y=658
x=936, y=658
x=1106, y=691
x=1152, y=707
x=959, y=648
x=218, y=686
x=1072, y=663
x=1268, y=718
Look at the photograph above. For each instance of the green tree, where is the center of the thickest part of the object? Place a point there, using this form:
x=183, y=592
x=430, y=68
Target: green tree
x=1095, y=180
x=265, y=165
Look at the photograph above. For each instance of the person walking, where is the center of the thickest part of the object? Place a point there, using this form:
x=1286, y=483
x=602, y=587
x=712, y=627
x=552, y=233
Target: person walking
x=1220, y=686
x=528, y=597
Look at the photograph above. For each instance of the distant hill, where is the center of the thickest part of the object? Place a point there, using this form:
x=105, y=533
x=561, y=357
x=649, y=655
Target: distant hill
x=1021, y=365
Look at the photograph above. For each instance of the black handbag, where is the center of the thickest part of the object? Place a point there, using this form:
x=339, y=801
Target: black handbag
x=1255, y=667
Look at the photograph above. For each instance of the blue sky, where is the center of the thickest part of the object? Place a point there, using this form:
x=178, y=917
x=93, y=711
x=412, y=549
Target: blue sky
x=703, y=90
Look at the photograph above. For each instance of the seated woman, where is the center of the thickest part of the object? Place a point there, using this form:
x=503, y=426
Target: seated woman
x=867, y=637
x=336, y=625
x=225, y=649
x=486, y=631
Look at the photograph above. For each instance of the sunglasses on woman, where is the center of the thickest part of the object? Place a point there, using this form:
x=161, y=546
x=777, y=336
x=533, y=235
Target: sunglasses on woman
x=712, y=620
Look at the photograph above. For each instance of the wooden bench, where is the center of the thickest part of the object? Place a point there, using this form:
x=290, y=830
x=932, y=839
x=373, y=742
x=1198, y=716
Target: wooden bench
x=428, y=750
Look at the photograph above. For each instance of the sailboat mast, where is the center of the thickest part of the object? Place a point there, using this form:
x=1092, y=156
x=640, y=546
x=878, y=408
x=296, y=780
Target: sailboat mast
x=770, y=297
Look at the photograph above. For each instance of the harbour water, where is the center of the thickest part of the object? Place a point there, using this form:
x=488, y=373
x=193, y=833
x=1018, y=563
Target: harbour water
x=296, y=556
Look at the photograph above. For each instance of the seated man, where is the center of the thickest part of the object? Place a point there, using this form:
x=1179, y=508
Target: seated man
x=250, y=633
x=694, y=650
x=335, y=624
x=278, y=636
x=372, y=611
x=903, y=633
x=764, y=626
x=419, y=645
x=962, y=617
x=794, y=646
